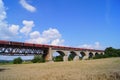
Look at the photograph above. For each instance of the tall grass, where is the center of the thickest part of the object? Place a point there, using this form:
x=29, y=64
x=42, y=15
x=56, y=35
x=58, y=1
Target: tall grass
x=100, y=69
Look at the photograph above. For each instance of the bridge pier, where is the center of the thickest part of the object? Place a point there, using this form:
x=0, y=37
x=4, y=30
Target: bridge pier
x=93, y=54
x=86, y=55
x=49, y=55
x=65, y=58
x=76, y=58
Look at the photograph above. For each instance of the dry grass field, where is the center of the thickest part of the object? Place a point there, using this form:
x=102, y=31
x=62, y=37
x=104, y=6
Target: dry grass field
x=100, y=69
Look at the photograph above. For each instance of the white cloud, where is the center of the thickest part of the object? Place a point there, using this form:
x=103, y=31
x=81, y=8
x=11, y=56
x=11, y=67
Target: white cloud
x=39, y=40
x=57, y=42
x=27, y=28
x=2, y=11
x=96, y=45
x=50, y=36
x=14, y=29
x=27, y=6
x=34, y=35
x=6, y=31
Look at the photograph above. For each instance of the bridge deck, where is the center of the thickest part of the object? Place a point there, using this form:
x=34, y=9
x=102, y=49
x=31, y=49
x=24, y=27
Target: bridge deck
x=43, y=46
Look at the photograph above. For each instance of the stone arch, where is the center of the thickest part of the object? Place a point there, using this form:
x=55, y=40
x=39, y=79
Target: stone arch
x=58, y=56
x=61, y=53
x=96, y=54
x=91, y=55
x=101, y=53
x=82, y=54
x=72, y=55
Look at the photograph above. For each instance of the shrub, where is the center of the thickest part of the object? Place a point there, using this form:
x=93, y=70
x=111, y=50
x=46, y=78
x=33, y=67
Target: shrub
x=38, y=59
x=17, y=60
x=109, y=52
x=58, y=58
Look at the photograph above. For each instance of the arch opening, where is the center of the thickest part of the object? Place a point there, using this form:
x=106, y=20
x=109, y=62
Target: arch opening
x=101, y=53
x=96, y=54
x=82, y=54
x=58, y=56
x=90, y=55
x=71, y=56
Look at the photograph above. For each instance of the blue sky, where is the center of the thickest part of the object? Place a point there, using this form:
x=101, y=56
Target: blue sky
x=79, y=23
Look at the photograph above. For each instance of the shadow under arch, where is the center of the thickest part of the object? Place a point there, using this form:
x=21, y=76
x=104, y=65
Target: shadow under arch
x=71, y=55
x=82, y=54
x=58, y=56
x=90, y=55
x=96, y=54
x=101, y=53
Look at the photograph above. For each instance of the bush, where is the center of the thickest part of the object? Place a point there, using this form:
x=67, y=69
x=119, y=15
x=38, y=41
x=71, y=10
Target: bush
x=109, y=52
x=38, y=59
x=58, y=58
x=17, y=60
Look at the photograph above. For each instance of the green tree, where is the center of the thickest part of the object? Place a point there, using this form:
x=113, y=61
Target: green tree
x=111, y=52
x=58, y=58
x=17, y=60
x=38, y=59
x=71, y=56
x=118, y=52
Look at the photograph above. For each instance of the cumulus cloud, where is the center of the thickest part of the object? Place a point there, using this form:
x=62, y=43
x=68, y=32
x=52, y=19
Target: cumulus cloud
x=14, y=29
x=34, y=35
x=27, y=28
x=96, y=45
x=51, y=33
x=57, y=42
x=6, y=31
x=2, y=11
x=27, y=6
x=50, y=36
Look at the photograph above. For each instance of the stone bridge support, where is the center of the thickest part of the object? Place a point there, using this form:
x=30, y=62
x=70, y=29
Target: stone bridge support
x=93, y=54
x=49, y=56
x=86, y=55
x=65, y=58
x=76, y=58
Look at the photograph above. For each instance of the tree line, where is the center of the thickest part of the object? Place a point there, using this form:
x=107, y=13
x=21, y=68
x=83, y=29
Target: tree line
x=109, y=52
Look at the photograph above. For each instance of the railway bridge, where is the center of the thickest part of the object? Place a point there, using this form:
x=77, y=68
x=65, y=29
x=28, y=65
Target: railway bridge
x=11, y=48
